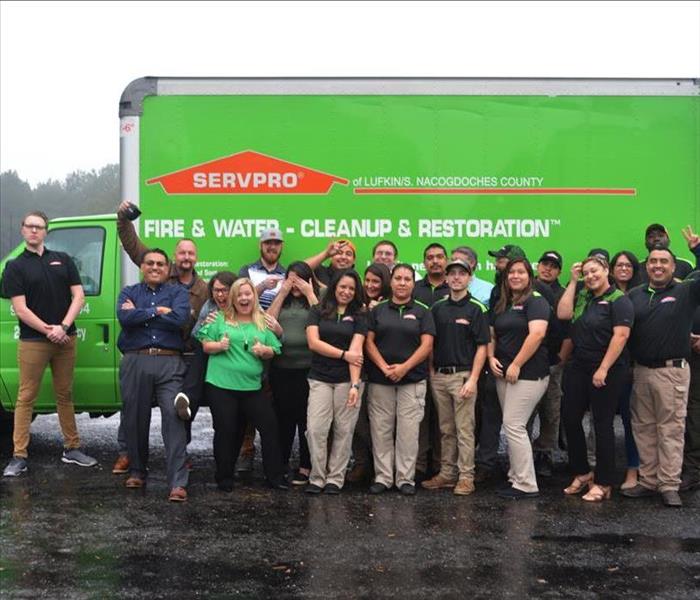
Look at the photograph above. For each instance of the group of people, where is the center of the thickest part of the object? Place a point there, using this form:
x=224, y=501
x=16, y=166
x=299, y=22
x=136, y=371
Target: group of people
x=409, y=381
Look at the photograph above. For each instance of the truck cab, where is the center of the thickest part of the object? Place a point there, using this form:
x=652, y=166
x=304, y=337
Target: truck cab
x=93, y=244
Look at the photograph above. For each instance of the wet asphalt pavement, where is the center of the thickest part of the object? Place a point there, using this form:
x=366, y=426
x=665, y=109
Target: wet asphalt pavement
x=70, y=532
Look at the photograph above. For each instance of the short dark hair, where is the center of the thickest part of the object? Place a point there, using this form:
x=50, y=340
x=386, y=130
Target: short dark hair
x=36, y=213
x=225, y=277
x=403, y=266
x=154, y=251
x=664, y=248
x=434, y=245
x=385, y=243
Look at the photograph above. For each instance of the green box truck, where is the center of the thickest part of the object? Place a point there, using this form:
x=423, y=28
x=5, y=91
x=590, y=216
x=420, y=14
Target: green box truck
x=546, y=164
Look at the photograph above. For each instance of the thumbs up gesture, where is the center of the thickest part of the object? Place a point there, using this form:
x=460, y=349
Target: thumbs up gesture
x=260, y=350
x=225, y=343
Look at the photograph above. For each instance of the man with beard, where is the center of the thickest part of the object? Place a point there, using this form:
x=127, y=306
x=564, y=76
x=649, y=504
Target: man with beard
x=267, y=273
x=657, y=236
x=342, y=254
x=181, y=271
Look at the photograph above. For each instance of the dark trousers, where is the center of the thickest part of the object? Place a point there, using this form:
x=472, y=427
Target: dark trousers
x=141, y=377
x=624, y=405
x=362, y=438
x=490, y=421
x=228, y=408
x=193, y=385
x=691, y=451
x=290, y=393
x=580, y=395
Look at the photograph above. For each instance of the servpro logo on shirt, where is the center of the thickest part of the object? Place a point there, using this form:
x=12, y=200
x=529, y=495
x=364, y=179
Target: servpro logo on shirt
x=247, y=172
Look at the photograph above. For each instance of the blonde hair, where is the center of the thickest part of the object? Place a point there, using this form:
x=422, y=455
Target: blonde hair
x=230, y=310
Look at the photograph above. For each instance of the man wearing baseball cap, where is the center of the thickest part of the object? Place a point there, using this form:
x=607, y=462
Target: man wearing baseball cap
x=657, y=235
x=267, y=273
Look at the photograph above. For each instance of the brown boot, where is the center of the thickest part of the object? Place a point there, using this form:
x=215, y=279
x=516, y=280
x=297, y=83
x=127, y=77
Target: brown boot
x=438, y=482
x=464, y=487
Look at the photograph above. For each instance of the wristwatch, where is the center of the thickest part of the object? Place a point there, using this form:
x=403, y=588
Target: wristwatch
x=65, y=327
x=355, y=385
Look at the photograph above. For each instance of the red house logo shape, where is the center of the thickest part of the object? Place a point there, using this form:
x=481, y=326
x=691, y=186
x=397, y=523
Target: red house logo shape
x=247, y=172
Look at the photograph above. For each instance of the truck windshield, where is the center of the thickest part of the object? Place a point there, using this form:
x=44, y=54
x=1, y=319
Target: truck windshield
x=85, y=245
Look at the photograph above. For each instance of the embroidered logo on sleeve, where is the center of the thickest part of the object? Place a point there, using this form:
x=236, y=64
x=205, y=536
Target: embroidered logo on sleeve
x=410, y=317
x=667, y=299
x=462, y=321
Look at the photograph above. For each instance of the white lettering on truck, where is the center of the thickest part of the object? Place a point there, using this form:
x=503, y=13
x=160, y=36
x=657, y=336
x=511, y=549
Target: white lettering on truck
x=253, y=180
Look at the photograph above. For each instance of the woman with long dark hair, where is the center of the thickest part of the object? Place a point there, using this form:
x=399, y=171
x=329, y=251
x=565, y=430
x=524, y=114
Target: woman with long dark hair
x=624, y=268
x=290, y=369
x=399, y=342
x=601, y=319
x=335, y=332
x=520, y=363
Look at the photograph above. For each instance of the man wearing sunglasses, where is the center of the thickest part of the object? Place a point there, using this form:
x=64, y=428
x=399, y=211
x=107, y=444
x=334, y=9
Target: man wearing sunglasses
x=152, y=314
x=46, y=294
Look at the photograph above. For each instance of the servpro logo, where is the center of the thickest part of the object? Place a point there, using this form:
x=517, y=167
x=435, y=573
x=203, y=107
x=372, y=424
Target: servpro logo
x=247, y=172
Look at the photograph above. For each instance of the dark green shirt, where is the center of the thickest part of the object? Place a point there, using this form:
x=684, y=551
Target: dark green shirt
x=295, y=349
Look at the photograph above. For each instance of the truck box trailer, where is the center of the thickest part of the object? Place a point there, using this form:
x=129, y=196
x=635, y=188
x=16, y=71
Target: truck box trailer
x=565, y=164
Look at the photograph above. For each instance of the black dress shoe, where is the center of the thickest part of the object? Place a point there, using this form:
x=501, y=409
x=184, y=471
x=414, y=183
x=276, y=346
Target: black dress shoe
x=689, y=482
x=280, y=483
x=638, y=491
x=312, y=489
x=377, y=488
x=331, y=489
x=225, y=485
x=482, y=475
x=671, y=498
x=407, y=489
x=516, y=494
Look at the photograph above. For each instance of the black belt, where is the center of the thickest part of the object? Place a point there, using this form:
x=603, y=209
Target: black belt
x=155, y=352
x=451, y=370
x=677, y=363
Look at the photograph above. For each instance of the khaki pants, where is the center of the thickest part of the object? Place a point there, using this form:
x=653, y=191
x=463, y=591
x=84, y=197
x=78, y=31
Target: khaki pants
x=456, y=418
x=518, y=401
x=395, y=409
x=658, y=408
x=328, y=406
x=32, y=358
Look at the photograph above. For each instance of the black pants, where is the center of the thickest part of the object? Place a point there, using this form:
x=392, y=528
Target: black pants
x=228, y=408
x=580, y=394
x=193, y=385
x=290, y=393
x=490, y=421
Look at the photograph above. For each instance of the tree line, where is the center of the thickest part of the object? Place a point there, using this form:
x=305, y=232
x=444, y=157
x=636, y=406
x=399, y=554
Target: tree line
x=81, y=193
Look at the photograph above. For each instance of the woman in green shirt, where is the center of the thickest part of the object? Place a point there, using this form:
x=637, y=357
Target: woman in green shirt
x=290, y=369
x=237, y=343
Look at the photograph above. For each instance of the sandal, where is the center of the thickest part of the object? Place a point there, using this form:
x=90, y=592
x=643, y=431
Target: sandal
x=598, y=493
x=579, y=484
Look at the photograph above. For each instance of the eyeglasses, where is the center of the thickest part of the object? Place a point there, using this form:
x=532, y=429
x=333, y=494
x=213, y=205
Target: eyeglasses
x=623, y=266
x=218, y=291
x=154, y=263
x=34, y=227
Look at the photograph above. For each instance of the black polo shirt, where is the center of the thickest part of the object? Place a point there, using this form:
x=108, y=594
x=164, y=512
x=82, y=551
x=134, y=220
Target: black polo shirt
x=397, y=331
x=544, y=290
x=461, y=326
x=558, y=330
x=683, y=268
x=427, y=294
x=511, y=327
x=45, y=282
x=325, y=273
x=663, y=319
x=337, y=331
x=696, y=315
x=593, y=322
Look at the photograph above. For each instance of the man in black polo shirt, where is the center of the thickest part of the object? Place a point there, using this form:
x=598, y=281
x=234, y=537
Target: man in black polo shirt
x=660, y=345
x=657, y=235
x=47, y=295
x=459, y=353
x=430, y=289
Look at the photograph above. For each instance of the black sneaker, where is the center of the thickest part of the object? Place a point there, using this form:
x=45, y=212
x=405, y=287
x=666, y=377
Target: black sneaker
x=377, y=488
x=331, y=489
x=280, y=483
x=299, y=478
x=312, y=489
x=638, y=491
x=225, y=485
x=407, y=489
x=516, y=494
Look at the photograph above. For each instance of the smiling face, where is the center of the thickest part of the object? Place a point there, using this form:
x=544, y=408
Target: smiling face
x=345, y=291
x=270, y=251
x=458, y=279
x=372, y=285
x=518, y=278
x=220, y=293
x=623, y=270
x=595, y=276
x=402, y=283
x=244, y=301
x=660, y=267
x=154, y=268
x=344, y=259
x=185, y=256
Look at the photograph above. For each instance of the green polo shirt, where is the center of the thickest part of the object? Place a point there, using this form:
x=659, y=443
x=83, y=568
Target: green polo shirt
x=237, y=368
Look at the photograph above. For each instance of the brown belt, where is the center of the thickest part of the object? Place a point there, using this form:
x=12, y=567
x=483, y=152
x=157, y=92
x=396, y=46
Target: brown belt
x=156, y=352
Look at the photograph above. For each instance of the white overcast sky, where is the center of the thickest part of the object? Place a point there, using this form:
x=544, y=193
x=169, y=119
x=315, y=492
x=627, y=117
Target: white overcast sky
x=64, y=64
